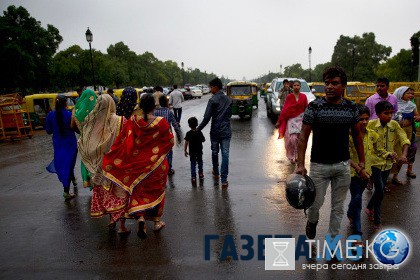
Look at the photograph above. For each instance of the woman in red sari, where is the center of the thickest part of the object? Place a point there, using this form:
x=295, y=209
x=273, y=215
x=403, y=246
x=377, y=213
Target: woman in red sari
x=289, y=122
x=137, y=163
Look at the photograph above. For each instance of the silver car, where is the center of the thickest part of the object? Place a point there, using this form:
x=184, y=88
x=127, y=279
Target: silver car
x=274, y=105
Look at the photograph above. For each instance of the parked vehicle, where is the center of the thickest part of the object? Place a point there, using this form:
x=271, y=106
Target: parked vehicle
x=205, y=89
x=167, y=90
x=196, y=92
x=242, y=97
x=186, y=93
x=118, y=93
x=273, y=102
x=355, y=91
x=317, y=88
x=39, y=105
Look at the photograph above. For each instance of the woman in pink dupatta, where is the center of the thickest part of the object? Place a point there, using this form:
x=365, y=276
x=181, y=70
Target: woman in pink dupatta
x=289, y=122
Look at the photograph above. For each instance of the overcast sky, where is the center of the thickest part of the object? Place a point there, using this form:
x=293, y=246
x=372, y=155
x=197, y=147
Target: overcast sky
x=234, y=38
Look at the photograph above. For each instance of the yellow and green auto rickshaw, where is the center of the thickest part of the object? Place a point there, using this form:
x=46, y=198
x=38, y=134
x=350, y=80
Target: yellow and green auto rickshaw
x=317, y=88
x=39, y=105
x=241, y=94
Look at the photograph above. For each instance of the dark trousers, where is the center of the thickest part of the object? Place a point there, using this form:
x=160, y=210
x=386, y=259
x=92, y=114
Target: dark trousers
x=379, y=181
x=357, y=186
x=177, y=114
x=194, y=161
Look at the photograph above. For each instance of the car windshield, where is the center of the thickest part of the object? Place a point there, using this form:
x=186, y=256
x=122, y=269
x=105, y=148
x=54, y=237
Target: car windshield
x=318, y=88
x=70, y=102
x=303, y=86
x=194, y=88
x=351, y=91
x=240, y=90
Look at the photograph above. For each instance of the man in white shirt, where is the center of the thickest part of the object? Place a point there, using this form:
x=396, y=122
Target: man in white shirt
x=176, y=98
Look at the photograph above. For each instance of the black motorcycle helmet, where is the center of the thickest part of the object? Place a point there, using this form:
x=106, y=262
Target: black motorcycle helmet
x=300, y=191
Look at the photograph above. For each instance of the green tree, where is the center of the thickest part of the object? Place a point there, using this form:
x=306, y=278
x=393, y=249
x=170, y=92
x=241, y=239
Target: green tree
x=68, y=69
x=294, y=71
x=397, y=68
x=121, y=55
x=318, y=71
x=360, y=56
x=26, y=51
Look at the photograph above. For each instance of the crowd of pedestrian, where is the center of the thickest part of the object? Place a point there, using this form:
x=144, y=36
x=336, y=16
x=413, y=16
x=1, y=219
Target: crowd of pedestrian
x=381, y=139
x=125, y=148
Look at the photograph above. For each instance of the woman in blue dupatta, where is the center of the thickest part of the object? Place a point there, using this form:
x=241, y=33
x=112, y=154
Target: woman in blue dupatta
x=65, y=144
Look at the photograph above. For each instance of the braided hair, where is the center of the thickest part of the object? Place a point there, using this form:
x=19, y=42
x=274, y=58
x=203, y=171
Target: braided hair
x=60, y=106
x=147, y=104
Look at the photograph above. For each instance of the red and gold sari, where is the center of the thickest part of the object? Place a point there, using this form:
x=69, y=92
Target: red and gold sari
x=137, y=163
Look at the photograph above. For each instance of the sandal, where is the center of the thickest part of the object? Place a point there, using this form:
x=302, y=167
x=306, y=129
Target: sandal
x=159, y=225
x=68, y=196
x=141, y=232
x=397, y=182
x=411, y=175
x=112, y=225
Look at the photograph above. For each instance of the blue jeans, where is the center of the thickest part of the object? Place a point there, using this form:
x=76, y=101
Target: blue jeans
x=194, y=162
x=338, y=174
x=379, y=180
x=357, y=186
x=177, y=114
x=169, y=157
x=224, y=145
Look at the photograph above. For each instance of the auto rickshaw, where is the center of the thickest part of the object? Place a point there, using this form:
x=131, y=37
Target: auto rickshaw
x=118, y=93
x=39, y=105
x=357, y=92
x=241, y=94
x=317, y=88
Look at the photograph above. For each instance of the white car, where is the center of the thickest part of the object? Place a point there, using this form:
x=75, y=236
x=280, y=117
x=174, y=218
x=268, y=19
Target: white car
x=196, y=92
x=205, y=89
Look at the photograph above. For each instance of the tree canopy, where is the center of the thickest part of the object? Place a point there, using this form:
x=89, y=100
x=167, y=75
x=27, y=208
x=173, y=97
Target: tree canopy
x=26, y=50
x=28, y=54
x=360, y=56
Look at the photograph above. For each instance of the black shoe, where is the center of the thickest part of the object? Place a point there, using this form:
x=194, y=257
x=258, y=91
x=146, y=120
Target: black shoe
x=311, y=230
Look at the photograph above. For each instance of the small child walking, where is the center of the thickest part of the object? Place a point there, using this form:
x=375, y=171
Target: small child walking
x=389, y=132
x=360, y=176
x=194, y=142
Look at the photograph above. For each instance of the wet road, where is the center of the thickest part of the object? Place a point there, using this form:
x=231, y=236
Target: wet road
x=43, y=237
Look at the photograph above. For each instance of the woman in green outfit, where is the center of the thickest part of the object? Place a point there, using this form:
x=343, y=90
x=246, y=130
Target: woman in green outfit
x=83, y=107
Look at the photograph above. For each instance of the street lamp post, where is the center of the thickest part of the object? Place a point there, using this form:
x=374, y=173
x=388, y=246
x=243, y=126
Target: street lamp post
x=418, y=66
x=183, y=74
x=353, y=50
x=89, y=38
x=310, y=70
